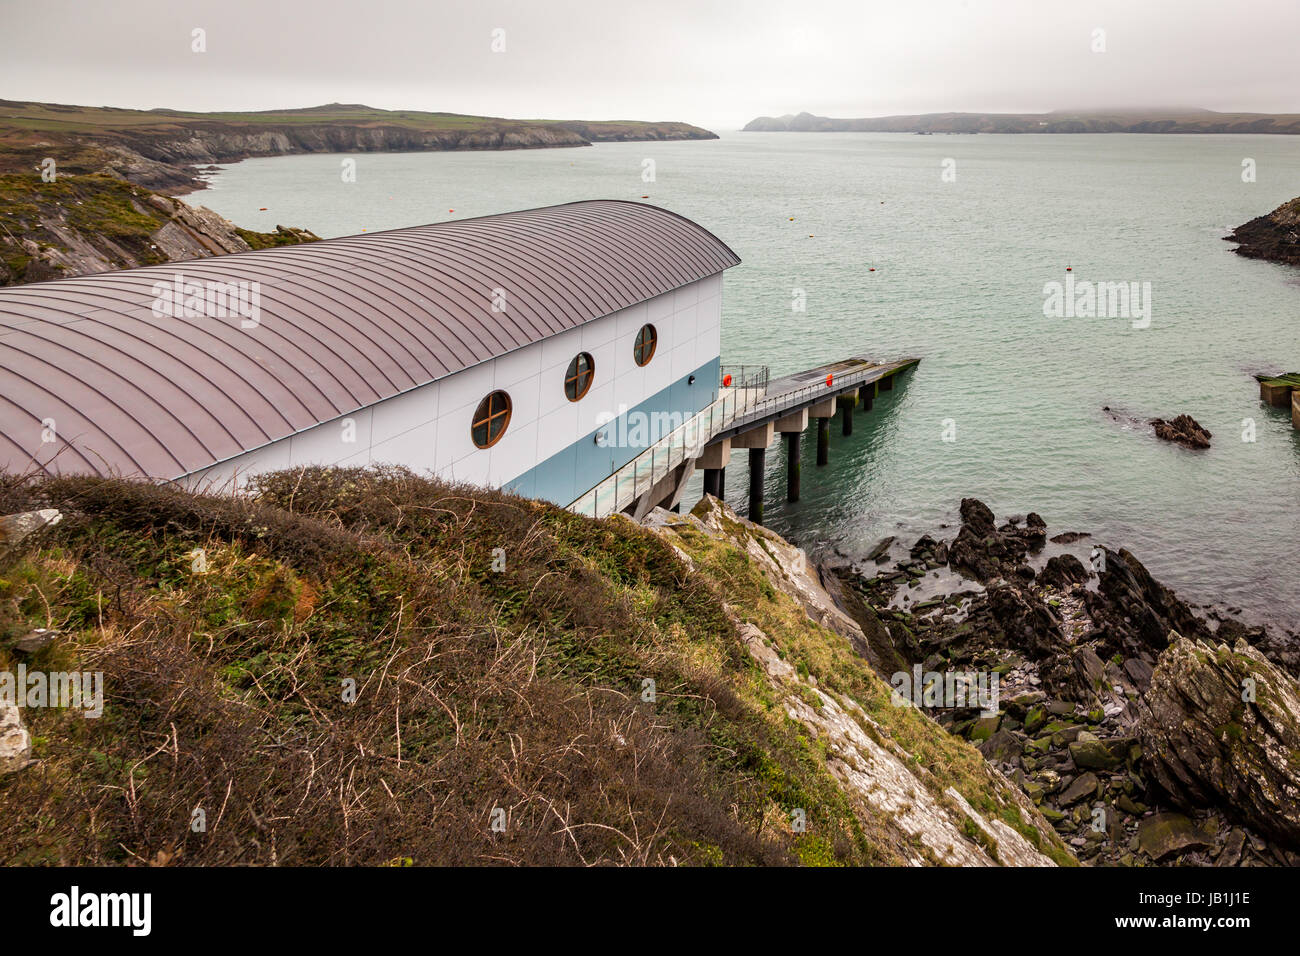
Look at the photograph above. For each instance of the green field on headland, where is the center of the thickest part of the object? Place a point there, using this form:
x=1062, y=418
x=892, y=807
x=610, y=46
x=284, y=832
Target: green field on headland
x=162, y=148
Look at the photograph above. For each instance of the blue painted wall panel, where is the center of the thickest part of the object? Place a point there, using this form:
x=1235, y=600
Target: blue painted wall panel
x=584, y=464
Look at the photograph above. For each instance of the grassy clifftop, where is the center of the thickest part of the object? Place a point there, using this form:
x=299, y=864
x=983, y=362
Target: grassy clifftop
x=368, y=667
x=80, y=224
x=162, y=148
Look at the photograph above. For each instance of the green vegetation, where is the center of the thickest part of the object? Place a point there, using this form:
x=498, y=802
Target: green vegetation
x=1291, y=379
x=232, y=632
x=476, y=690
x=59, y=118
x=108, y=214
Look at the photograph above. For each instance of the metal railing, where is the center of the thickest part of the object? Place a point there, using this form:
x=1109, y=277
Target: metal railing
x=734, y=410
x=770, y=407
x=686, y=441
x=744, y=376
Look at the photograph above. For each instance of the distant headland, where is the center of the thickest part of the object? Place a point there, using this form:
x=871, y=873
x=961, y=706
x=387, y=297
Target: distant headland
x=161, y=149
x=1059, y=121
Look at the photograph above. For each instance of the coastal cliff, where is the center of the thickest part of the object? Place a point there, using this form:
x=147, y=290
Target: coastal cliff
x=398, y=670
x=79, y=225
x=107, y=205
x=1274, y=237
x=1148, y=121
x=366, y=667
x=164, y=150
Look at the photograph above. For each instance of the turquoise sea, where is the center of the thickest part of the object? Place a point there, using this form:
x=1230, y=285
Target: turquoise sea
x=960, y=263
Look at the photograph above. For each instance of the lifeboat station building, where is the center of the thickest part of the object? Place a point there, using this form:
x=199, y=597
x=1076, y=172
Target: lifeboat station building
x=569, y=353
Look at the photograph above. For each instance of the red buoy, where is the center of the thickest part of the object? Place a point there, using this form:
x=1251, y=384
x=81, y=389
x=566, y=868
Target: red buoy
x=726, y=380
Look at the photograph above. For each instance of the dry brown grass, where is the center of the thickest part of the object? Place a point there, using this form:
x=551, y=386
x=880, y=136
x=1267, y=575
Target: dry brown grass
x=476, y=690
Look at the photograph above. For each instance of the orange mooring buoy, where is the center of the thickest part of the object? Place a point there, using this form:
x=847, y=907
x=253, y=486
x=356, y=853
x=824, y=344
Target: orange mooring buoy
x=261, y=209
x=872, y=269
x=1069, y=268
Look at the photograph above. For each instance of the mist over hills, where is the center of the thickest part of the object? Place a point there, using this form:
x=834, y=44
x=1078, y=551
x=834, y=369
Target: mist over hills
x=1172, y=120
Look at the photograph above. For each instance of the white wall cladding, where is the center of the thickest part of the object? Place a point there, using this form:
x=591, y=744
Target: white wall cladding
x=428, y=428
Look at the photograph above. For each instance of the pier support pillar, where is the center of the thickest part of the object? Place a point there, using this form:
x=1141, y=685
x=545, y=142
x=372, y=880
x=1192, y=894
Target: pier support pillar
x=1279, y=396
x=759, y=437
x=792, y=442
x=757, y=465
x=846, y=414
x=715, y=456
x=713, y=461
x=713, y=482
x=887, y=383
x=823, y=411
x=792, y=427
x=867, y=395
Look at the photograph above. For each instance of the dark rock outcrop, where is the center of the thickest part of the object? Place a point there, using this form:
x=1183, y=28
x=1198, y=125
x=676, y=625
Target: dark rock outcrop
x=1205, y=745
x=1121, y=711
x=984, y=551
x=1183, y=430
x=1274, y=237
x=1063, y=570
x=1132, y=612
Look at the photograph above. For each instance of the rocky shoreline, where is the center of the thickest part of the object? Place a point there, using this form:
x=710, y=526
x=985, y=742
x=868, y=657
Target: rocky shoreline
x=1147, y=731
x=1274, y=237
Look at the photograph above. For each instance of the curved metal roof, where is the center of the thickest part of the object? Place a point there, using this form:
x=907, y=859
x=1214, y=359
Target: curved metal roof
x=343, y=323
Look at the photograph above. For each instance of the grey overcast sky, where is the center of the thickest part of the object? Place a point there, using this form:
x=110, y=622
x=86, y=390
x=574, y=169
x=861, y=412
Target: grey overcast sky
x=718, y=64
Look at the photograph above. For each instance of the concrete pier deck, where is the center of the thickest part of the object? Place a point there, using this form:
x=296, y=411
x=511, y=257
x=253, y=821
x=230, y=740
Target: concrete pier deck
x=744, y=416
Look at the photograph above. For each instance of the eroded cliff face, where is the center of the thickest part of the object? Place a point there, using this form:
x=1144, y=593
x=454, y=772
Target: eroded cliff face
x=164, y=149
x=80, y=225
x=902, y=772
x=205, y=145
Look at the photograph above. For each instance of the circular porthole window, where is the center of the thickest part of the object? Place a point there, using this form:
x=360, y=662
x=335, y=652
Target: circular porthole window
x=644, y=348
x=578, y=379
x=490, y=419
